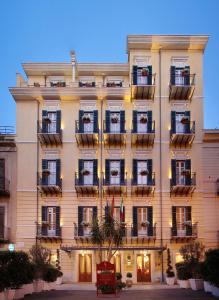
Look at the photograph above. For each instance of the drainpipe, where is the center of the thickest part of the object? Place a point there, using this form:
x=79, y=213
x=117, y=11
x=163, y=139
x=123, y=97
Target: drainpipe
x=161, y=185
x=37, y=206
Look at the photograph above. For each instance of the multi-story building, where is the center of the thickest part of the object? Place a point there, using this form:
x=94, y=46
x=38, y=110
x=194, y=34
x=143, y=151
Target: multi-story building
x=8, y=160
x=88, y=132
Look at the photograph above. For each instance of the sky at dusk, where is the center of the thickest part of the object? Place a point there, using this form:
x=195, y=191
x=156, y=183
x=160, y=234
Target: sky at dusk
x=46, y=31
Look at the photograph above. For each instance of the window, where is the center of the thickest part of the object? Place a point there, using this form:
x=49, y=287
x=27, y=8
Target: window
x=52, y=172
x=52, y=122
x=180, y=124
x=142, y=221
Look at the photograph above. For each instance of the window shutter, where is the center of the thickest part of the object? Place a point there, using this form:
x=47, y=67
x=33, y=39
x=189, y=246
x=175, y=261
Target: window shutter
x=187, y=77
x=95, y=121
x=173, y=171
x=44, y=176
x=122, y=121
x=107, y=121
x=95, y=175
x=135, y=170
x=174, y=228
x=149, y=125
x=150, y=75
x=2, y=221
x=2, y=174
x=188, y=218
x=150, y=220
x=58, y=172
x=58, y=228
x=58, y=121
x=122, y=171
x=80, y=168
x=44, y=219
x=187, y=125
x=172, y=74
x=134, y=121
x=149, y=166
x=135, y=75
x=188, y=167
x=107, y=171
x=81, y=124
x=173, y=122
x=94, y=213
x=44, y=124
x=80, y=219
x=135, y=221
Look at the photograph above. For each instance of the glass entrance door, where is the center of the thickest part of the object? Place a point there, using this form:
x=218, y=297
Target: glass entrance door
x=85, y=268
x=143, y=268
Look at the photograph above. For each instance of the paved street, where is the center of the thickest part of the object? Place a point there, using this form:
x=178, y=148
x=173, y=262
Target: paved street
x=166, y=294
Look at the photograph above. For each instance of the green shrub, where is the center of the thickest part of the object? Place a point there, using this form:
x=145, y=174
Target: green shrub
x=50, y=273
x=118, y=276
x=129, y=275
x=211, y=267
x=183, y=271
x=169, y=270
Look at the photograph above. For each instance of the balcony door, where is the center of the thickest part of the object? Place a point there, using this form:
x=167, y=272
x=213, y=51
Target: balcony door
x=85, y=267
x=115, y=172
x=180, y=221
x=141, y=78
x=180, y=177
x=51, y=217
x=87, y=220
x=88, y=121
x=142, y=167
x=88, y=166
x=52, y=172
x=142, y=122
x=142, y=221
x=52, y=124
x=115, y=122
x=143, y=268
x=179, y=78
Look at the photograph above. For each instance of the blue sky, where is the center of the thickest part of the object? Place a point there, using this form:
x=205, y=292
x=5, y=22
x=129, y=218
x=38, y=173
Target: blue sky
x=46, y=30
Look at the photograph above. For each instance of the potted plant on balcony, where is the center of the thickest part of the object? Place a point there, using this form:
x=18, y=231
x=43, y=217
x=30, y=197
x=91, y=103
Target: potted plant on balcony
x=46, y=172
x=114, y=172
x=144, y=72
x=170, y=278
x=36, y=84
x=143, y=120
x=46, y=119
x=185, y=172
x=129, y=281
x=185, y=72
x=114, y=119
x=145, y=223
x=85, y=223
x=144, y=172
x=86, y=119
x=85, y=172
x=185, y=120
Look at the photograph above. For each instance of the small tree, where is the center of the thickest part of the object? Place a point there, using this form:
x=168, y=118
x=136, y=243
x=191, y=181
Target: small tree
x=107, y=233
x=169, y=270
x=40, y=257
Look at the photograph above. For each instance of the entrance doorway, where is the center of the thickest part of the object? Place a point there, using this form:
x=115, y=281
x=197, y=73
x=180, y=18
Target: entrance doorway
x=85, y=268
x=143, y=268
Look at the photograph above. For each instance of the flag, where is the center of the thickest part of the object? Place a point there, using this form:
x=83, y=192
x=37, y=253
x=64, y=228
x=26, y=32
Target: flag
x=112, y=207
x=122, y=215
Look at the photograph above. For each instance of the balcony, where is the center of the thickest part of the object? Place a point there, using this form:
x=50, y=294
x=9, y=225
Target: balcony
x=144, y=188
x=184, y=232
x=49, y=183
x=82, y=232
x=144, y=88
x=4, y=234
x=140, y=234
x=7, y=136
x=114, y=83
x=182, y=87
x=115, y=186
x=114, y=138
x=4, y=187
x=183, y=186
x=183, y=139
x=48, y=137
x=88, y=137
x=143, y=137
x=49, y=232
x=57, y=83
x=86, y=188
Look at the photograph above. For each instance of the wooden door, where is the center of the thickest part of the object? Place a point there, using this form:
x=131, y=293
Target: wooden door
x=143, y=268
x=85, y=268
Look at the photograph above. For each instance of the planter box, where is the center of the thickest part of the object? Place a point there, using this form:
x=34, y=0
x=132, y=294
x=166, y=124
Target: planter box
x=129, y=283
x=196, y=284
x=207, y=287
x=215, y=291
x=170, y=280
x=59, y=280
x=38, y=286
x=184, y=284
x=10, y=294
x=28, y=288
x=19, y=293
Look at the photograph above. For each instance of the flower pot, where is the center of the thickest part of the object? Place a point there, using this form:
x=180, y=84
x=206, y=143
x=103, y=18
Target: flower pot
x=2, y=296
x=10, y=294
x=38, y=285
x=59, y=280
x=28, y=288
x=196, y=284
x=215, y=291
x=184, y=284
x=19, y=293
x=207, y=287
x=170, y=280
x=129, y=283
